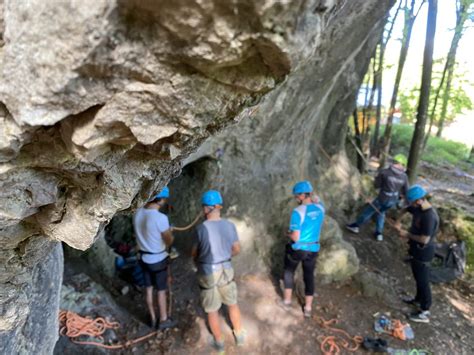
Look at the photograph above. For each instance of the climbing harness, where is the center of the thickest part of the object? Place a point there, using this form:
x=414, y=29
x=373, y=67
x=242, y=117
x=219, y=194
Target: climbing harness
x=73, y=325
x=331, y=345
x=223, y=279
x=142, y=252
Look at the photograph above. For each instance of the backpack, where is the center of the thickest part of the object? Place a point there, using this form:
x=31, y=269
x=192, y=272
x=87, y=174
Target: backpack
x=449, y=262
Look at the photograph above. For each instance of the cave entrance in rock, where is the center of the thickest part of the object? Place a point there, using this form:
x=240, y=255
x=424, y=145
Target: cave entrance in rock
x=106, y=280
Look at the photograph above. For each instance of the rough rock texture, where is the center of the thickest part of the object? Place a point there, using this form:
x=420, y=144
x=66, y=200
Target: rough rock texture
x=39, y=302
x=101, y=101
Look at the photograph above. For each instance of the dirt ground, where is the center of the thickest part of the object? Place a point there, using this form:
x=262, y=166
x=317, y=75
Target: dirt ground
x=272, y=330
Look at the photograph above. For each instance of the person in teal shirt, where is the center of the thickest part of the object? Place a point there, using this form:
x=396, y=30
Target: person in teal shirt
x=305, y=228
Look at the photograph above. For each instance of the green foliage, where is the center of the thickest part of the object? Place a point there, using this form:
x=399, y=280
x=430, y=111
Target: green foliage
x=459, y=100
x=408, y=103
x=438, y=150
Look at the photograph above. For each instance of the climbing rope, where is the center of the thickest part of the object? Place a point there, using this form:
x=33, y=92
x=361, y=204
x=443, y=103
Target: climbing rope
x=331, y=345
x=189, y=226
x=73, y=325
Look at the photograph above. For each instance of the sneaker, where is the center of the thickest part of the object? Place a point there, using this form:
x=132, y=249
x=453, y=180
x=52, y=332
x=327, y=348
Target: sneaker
x=420, y=317
x=173, y=253
x=379, y=237
x=307, y=312
x=240, y=338
x=284, y=305
x=166, y=324
x=411, y=301
x=354, y=228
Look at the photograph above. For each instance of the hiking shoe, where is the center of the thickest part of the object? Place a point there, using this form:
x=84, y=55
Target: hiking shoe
x=379, y=237
x=218, y=345
x=378, y=345
x=411, y=301
x=307, y=312
x=166, y=324
x=152, y=323
x=420, y=317
x=354, y=228
x=240, y=338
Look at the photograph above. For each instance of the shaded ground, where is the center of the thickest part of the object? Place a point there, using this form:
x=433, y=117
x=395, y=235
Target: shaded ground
x=273, y=330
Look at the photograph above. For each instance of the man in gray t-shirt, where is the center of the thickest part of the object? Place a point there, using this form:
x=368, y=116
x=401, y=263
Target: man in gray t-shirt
x=215, y=244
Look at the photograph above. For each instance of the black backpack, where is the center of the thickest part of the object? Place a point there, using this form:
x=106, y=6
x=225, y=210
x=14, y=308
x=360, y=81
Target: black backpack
x=449, y=262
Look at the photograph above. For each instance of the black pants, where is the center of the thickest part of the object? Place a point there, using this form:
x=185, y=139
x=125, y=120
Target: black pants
x=421, y=273
x=292, y=259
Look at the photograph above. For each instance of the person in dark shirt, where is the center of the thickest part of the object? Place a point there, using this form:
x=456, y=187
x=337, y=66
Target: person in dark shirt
x=421, y=240
x=392, y=183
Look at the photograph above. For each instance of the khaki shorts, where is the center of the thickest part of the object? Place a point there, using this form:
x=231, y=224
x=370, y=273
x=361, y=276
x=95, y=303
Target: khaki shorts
x=218, y=288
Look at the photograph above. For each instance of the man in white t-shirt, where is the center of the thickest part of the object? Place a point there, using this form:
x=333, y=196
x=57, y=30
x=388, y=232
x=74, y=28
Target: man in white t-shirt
x=152, y=230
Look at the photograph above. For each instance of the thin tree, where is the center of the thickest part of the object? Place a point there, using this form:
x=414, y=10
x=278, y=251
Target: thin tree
x=410, y=15
x=462, y=14
x=378, y=77
x=358, y=140
x=369, y=107
x=417, y=139
x=365, y=118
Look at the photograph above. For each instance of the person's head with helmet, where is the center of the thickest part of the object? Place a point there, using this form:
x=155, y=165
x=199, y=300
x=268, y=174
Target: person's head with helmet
x=400, y=161
x=212, y=202
x=160, y=199
x=302, y=192
x=416, y=195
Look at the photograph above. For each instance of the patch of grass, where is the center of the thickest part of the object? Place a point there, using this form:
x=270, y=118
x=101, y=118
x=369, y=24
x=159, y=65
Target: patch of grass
x=437, y=151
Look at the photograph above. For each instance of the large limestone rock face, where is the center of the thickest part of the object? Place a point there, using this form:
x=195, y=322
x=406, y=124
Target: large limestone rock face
x=101, y=101
x=298, y=132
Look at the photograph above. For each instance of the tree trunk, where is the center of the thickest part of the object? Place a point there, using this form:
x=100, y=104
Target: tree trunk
x=358, y=139
x=370, y=106
x=410, y=18
x=366, y=102
x=417, y=139
x=378, y=84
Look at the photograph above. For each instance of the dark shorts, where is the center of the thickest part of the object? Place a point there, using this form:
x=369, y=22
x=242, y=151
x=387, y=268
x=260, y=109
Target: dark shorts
x=156, y=274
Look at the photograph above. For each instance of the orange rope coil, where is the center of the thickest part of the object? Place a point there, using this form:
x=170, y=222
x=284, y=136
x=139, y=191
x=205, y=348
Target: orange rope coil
x=73, y=325
x=331, y=345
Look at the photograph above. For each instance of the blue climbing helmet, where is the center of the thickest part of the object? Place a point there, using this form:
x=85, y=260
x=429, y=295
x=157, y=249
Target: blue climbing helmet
x=211, y=198
x=165, y=193
x=415, y=193
x=302, y=187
